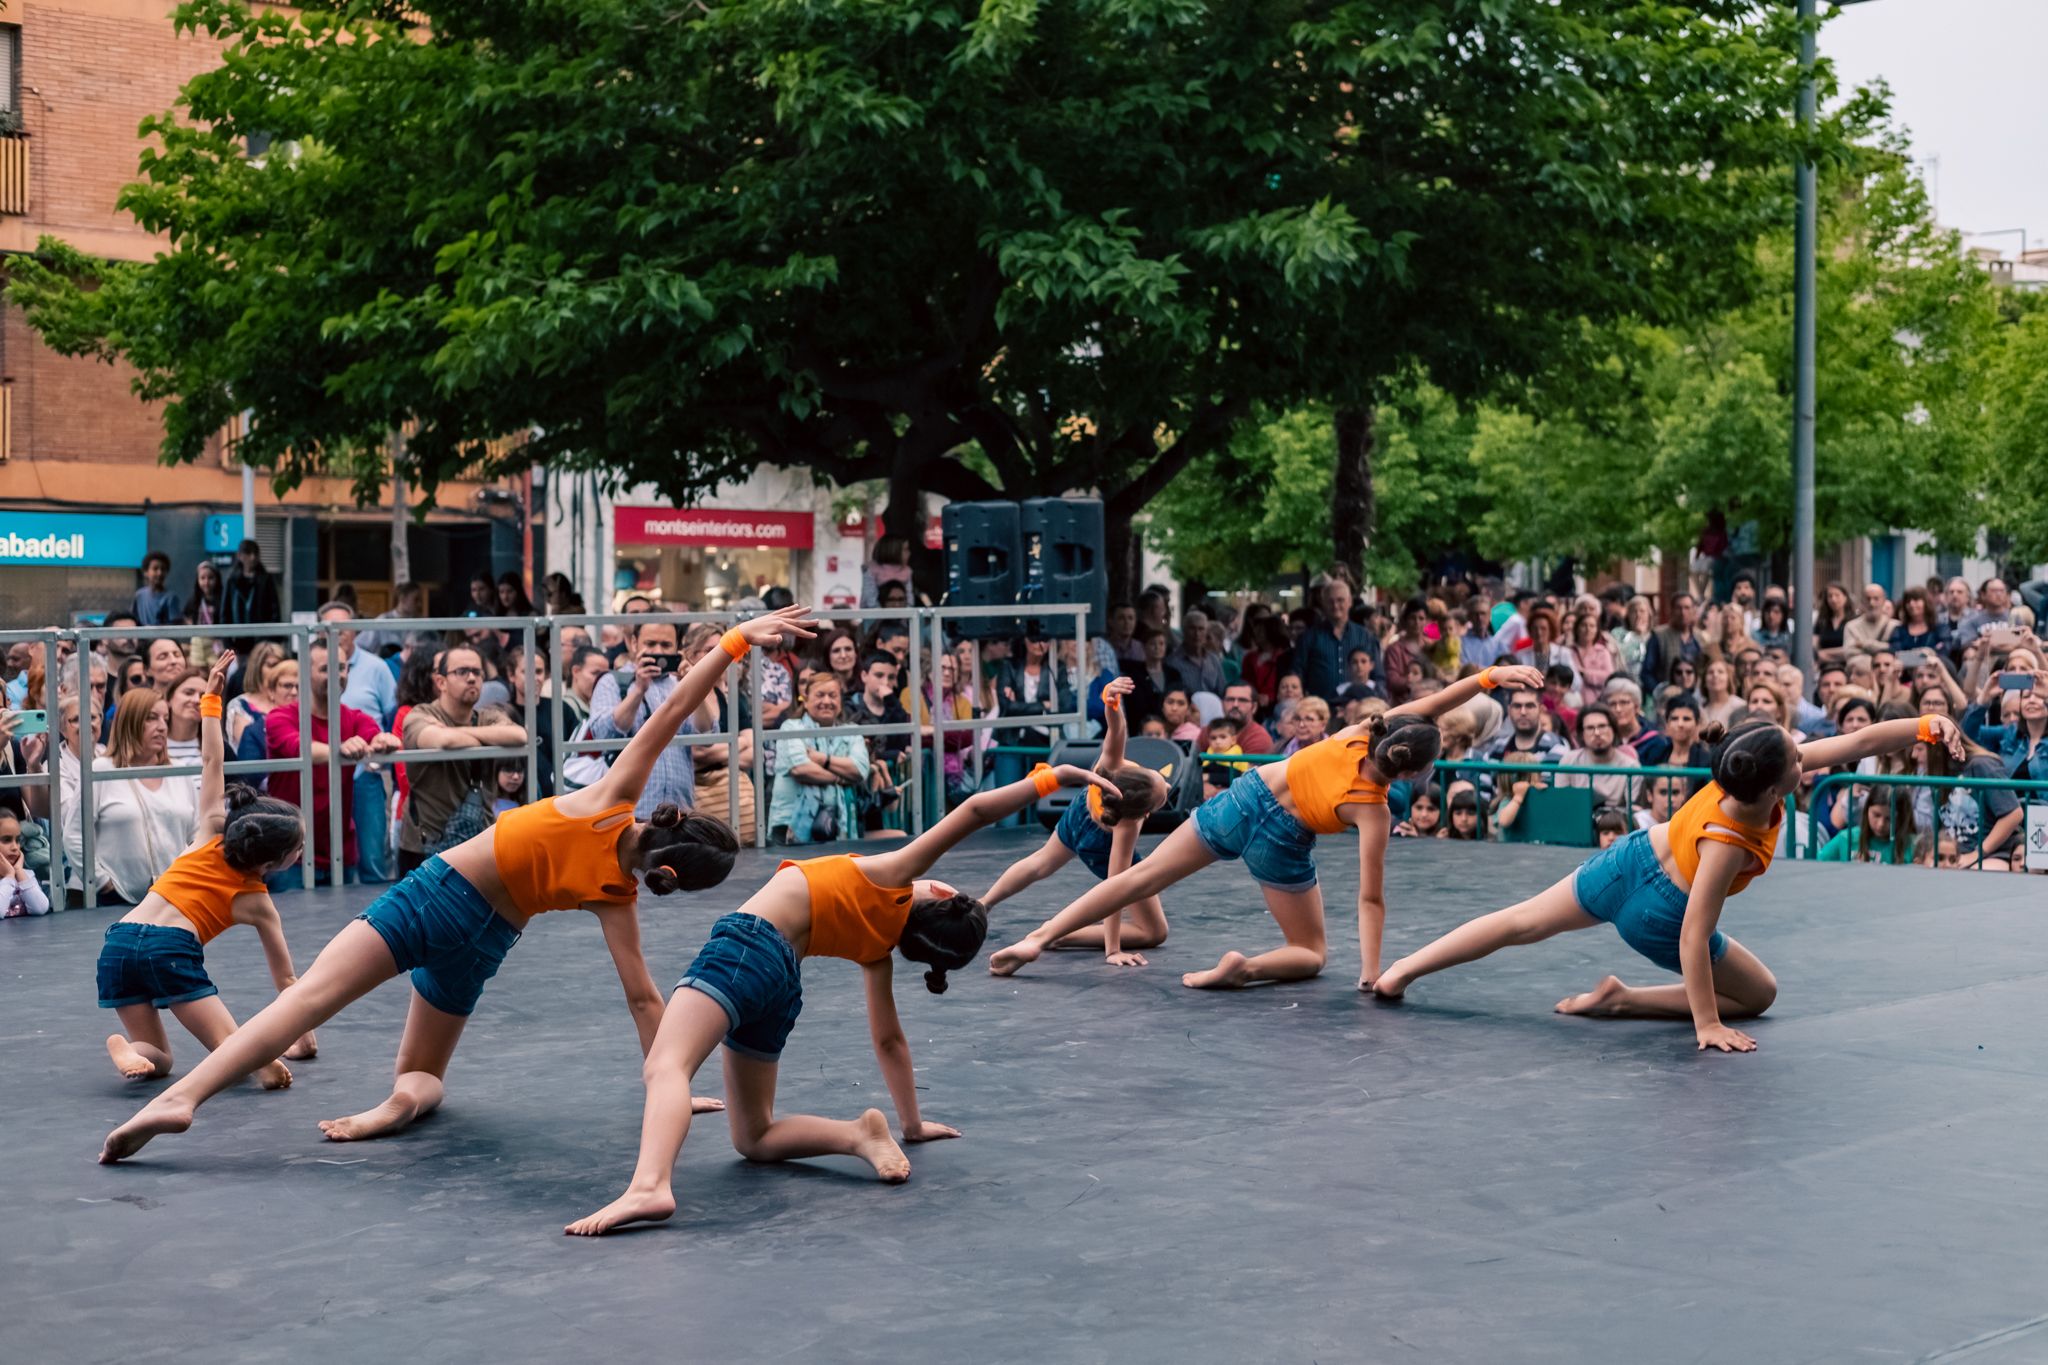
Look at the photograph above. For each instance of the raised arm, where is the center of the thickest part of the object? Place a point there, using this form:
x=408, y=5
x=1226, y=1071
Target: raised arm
x=212, y=749
x=900, y=867
x=1882, y=738
x=1464, y=689
x=1113, y=729
x=635, y=763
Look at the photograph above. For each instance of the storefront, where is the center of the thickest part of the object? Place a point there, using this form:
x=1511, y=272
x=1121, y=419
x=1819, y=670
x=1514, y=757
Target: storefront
x=705, y=558
x=57, y=564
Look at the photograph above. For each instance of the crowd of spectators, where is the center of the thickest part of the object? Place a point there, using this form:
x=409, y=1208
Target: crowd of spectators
x=1626, y=687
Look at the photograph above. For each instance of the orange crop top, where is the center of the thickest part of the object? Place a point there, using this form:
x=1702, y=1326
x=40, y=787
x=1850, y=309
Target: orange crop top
x=1689, y=829
x=202, y=887
x=1325, y=776
x=851, y=917
x=552, y=861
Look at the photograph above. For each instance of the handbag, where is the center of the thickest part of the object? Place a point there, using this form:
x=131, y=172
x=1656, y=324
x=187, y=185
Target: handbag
x=470, y=819
x=584, y=769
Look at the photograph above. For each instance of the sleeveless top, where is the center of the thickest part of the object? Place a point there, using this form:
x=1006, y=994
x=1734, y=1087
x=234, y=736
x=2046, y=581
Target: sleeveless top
x=1689, y=829
x=552, y=861
x=202, y=887
x=851, y=917
x=1325, y=776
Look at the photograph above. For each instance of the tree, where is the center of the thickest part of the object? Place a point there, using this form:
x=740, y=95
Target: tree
x=2016, y=503
x=1093, y=239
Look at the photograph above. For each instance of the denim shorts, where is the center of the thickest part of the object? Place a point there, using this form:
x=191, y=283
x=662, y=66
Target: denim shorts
x=443, y=931
x=152, y=964
x=751, y=970
x=1247, y=821
x=1087, y=840
x=1624, y=885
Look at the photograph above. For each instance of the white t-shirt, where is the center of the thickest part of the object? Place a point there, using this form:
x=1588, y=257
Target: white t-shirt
x=137, y=833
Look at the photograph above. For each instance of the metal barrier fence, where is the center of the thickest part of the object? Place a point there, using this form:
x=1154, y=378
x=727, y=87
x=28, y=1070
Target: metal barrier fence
x=301, y=640
x=2015, y=785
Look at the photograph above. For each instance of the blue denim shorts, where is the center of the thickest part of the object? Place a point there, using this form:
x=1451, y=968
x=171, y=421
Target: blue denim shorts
x=1624, y=885
x=152, y=964
x=751, y=970
x=1087, y=840
x=1247, y=821
x=443, y=931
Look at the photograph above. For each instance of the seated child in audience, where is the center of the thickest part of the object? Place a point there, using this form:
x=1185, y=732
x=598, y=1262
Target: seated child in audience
x=20, y=893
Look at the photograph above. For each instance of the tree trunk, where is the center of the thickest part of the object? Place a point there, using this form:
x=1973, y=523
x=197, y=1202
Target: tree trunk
x=401, y=552
x=1122, y=550
x=1351, y=502
x=904, y=515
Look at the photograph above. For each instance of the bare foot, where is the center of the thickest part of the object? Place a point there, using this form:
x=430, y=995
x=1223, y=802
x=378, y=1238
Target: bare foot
x=161, y=1115
x=1602, y=999
x=305, y=1050
x=705, y=1104
x=275, y=1076
x=131, y=1063
x=1228, y=974
x=876, y=1147
x=1393, y=983
x=634, y=1206
x=1008, y=960
x=388, y=1117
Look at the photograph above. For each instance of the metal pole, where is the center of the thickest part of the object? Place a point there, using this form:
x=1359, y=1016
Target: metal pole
x=914, y=774
x=558, y=680
x=938, y=712
x=529, y=687
x=336, y=834
x=88, y=725
x=760, y=752
x=1803, y=599
x=53, y=741
x=302, y=637
x=729, y=683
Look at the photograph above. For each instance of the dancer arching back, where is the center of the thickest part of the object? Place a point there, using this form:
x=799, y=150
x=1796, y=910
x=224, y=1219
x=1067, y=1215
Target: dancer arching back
x=451, y=922
x=745, y=990
x=1270, y=818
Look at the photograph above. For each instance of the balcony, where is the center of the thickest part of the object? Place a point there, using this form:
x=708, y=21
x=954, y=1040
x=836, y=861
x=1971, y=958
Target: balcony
x=13, y=173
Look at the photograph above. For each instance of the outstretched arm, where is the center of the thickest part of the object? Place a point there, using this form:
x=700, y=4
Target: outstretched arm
x=212, y=782
x=892, y=1050
x=902, y=866
x=621, y=924
x=1047, y=859
x=635, y=763
x=1372, y=895
x=262, y=912
x=1464, y=689
x=1881, y=738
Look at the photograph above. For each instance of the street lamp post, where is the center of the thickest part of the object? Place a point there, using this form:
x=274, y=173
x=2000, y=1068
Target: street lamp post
x=1803, y=361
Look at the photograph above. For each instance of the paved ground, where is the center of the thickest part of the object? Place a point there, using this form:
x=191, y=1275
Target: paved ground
x=1286, y=1174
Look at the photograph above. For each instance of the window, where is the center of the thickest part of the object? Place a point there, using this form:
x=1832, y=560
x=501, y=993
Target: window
x=10, y=78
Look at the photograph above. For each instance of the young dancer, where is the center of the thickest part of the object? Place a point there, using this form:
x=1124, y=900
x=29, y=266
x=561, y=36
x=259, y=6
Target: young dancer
x=1103, y=834
x=1663, y=887
x=452, y=921
x=745, y=989
x=154, y=958
x=1270, y=817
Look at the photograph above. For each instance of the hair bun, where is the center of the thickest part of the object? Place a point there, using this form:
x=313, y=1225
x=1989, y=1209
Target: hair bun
x=666, y=815
x=1713, y=732
x=239, y=795
x=661, y=880
x=935, y=981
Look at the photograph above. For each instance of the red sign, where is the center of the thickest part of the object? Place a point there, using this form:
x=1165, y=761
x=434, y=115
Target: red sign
x=935, y=533
x=713, y=526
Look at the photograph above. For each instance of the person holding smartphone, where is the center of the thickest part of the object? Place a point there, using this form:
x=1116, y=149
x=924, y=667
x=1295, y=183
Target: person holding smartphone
x=2017, y=697
x=624, y=700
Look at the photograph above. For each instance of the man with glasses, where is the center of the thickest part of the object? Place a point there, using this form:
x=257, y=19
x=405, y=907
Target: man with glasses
x=1240, y=705
x=442, y=791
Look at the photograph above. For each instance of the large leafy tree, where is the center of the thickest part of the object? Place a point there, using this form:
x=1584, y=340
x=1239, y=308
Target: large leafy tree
x=1093, y=238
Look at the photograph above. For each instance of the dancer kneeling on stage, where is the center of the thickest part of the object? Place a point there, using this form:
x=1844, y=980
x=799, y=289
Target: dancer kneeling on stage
x=153, y=958
x=1270, y=817
x=1663, y=888
x=451, y=922
x=1103, y=833
x=745, y=989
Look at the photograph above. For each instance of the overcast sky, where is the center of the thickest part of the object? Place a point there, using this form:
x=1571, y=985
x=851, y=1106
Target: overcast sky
x=1966, y=82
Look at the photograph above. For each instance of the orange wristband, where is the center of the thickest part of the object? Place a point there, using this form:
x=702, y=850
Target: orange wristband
x=1045, y=779
x=1486, y=682
x=1112, y=704
x=735, y=645
x=1927, y=733
x=209, y=705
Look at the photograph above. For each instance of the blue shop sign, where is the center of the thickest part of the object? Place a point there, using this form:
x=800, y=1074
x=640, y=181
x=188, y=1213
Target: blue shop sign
x=223, y=535
x=63, y=539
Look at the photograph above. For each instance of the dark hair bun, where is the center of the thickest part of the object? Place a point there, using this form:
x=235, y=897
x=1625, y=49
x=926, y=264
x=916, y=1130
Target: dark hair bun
x=260, y=830
x=686, y=852
x=935, y=980
x=239, y=795
x=666, y=815
x=1713, y=732
x=945, y=935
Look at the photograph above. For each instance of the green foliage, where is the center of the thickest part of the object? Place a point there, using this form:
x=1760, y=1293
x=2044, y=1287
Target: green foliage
x=2017, y=491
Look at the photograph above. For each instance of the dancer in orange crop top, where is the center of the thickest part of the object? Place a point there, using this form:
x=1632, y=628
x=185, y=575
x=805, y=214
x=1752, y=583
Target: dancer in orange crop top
x=745, y=990
x=1104, y=836
x=1663, y=887
x=153, y=959
x=1270, y=818
x=450, y=922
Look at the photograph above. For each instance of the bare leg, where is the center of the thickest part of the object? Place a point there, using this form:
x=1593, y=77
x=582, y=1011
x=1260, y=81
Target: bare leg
x=1300, y=917
x=1553, y=911
x=758, y=1135
x=354, y=963
x=141, y=1051
x=1028, y=871
x=1743, y=989
x=423, y=1055
x=1144, y=926
x=691, y=1026
x=1183, y=853
x=208, y=1020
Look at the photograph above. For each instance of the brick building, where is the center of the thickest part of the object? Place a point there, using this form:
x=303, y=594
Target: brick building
x=77, y=77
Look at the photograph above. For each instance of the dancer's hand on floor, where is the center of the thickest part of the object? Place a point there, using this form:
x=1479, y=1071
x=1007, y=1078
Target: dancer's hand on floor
x=705, y=1104
x=927, y=1131
x=1125, y=959
x=1725, y=1038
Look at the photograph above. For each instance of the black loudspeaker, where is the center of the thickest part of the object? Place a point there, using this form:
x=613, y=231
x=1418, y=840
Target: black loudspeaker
x=1063, y=560
x=984, y=564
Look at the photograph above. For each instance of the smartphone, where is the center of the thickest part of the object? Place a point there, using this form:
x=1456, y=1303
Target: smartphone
x=1912, y=658
x=668, y=663
x=31, y=723
x=2011, y=682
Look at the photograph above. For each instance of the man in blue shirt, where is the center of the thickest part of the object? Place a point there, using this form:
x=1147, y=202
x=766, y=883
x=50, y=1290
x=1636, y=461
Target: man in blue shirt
x=1321, y=654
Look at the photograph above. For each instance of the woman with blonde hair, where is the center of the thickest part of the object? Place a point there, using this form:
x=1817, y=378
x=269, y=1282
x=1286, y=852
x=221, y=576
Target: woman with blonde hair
x=1631, y=638
x=255, y=701
x=140, y=824
x=1718, y=702
x=1730, y=638
x=1767, y=701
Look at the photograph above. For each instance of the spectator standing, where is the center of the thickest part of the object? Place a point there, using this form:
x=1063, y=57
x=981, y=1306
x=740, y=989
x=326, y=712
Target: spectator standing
x=273, y=681
x=1033, y=686
x=155, y=604
x=1830, y=622
x=587, y=667
x=1546, y=651
x=1994, y=608
x=408, y=603
x=449, y=802
x=1630, y=640
x=1592, y=652
x=249, y=594
x=1240, y=705
x=1731, y=638
x=2020, y=740
x=1267, y=656
x=1871, y=629
x=183, y=699
x=1718, y=702
x=371, y=689
x=511, y=596
x=1954, y=604
x=624, y=701
x=1199, y=663
x=1328, y=640
x=1774, y=626
x=1358, y=677
x=140, y=824
x=1918, y=626
x=1670, y=643
x=818, y=779
x=1122, y=634
x=1408, y=649
x=1525, y=733
x=1597, y=749
x=1156, y=676
x=203, y=603
x=359, y=736
x=483, y=597
x=167, y=664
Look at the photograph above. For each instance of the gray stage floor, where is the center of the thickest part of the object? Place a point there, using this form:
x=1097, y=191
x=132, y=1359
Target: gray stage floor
x=1148, y=1173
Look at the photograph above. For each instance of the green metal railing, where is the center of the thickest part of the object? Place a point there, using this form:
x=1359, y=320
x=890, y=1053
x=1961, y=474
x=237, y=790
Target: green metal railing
x=2016, y=785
